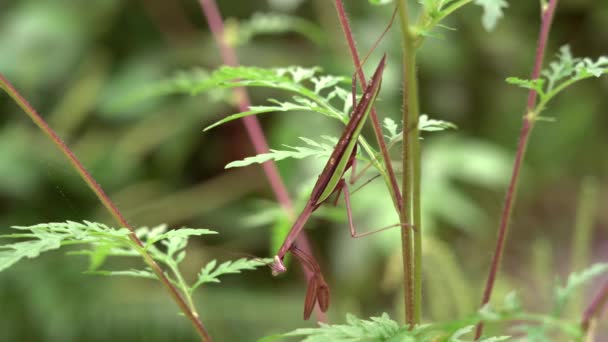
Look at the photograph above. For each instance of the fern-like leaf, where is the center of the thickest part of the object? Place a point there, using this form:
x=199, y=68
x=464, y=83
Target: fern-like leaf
x=575, y=281
x=210, y=273
x=562, y=73
x=49, y=236
x=313, y=149
x=380, y=328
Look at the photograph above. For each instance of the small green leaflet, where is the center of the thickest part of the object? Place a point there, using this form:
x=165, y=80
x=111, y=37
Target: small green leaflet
x=492, y=12
x=385, y=329
x=210, y=273
x=469, y=329
x=562, y=73
x=314, y=149
x=375, y=329
x=154, y=237
x=424, y=124
x=391, y=128
x=298, y=104
x=575, y=281
x=147, y=274
x=49, y=236
x=432, y=125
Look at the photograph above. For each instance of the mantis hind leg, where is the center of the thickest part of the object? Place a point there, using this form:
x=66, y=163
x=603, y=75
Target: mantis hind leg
x=351, y=224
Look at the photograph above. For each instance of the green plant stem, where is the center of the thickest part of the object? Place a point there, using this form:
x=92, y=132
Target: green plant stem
x=107, y=202
x=183, y=285
x=532, y=111
x=411, y=173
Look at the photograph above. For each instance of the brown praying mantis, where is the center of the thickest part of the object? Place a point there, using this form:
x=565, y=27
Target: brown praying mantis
x=330, y=181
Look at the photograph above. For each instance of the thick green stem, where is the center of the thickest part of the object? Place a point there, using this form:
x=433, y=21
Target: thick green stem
x=412, y=262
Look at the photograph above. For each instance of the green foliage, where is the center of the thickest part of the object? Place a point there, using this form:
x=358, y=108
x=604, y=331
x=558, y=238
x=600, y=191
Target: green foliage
x=242, y=32
x=381, y=328
x=545, y=327
x=384, y=329
x=424, y=124
x=562, y=73
x=437, y=10
x=313, y=149
x=167, y=247
x=210, y=273
x=49, y=236
x=535, y=326
x=313, y=92
x=575, y=281
x=322, y=149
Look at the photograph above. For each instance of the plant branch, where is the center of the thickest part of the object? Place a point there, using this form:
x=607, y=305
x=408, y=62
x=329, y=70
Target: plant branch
x=410, y=213
x=254, y=129
x=392, y=179
x=527, y=126
x=107, y=202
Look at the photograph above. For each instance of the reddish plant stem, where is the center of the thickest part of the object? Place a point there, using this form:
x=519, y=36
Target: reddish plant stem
x=107, y=202
x=373, y=115
x=527, y=126
x=254, y=129
x=596, y=307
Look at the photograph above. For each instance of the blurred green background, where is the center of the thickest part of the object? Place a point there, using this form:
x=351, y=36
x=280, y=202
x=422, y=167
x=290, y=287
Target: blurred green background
x=76, y=60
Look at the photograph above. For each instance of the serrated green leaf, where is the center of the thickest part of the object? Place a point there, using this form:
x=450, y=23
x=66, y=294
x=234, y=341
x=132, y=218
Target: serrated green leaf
x=375, y=329
x=461, y=332
x=13, y=253
x=492, y=12
x=432, y=125
x=297, y=152
x=210, y=274
x=154, y=237
x=50, y=236
x=280, y=107
x=562, y=73
x=128, y=273
x=575, y=281
x=537, y=84
x=391, y=128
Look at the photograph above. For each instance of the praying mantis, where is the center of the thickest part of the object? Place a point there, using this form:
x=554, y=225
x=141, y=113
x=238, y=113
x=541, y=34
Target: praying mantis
x=330, y=181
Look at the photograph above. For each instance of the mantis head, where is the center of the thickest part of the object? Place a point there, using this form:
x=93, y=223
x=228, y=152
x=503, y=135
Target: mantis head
x=277, y=266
